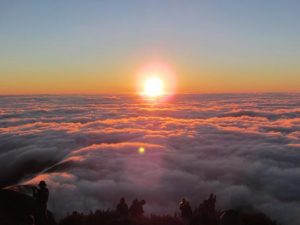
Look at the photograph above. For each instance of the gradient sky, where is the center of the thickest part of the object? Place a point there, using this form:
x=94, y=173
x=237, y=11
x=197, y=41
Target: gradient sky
x=98, y=46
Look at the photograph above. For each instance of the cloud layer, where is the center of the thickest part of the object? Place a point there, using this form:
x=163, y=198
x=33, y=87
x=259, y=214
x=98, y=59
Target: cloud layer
x=245, y=148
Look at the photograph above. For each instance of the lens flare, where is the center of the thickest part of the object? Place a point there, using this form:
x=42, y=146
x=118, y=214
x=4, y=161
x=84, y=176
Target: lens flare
x=141, y=150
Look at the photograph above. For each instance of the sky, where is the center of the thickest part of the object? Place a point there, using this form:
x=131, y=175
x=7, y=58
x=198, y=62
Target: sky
x=99, y=46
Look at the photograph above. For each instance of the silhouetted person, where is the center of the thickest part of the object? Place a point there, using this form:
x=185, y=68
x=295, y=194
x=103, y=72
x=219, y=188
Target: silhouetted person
x=134, y=208
x=122, y=207
x=140, y=208
x=207, y=211
x=186, y=210
x=212, y=202
x=41, y=196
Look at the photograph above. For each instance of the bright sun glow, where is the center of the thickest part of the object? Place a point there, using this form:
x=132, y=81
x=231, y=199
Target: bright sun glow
x=156, y=81
x=153, y=87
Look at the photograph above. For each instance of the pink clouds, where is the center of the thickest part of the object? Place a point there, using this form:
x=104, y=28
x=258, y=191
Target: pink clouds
x=245, y=148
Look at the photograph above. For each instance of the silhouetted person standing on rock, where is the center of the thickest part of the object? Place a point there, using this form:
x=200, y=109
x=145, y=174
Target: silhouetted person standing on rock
x=186, y=210
x=41, y=196
x=122, y=207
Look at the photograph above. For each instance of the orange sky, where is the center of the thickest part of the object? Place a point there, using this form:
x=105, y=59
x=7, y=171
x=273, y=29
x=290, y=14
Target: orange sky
x=100, y=47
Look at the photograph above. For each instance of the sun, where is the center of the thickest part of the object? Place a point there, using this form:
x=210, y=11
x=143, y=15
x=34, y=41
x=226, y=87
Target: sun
x=153, y=87
x=156, y=81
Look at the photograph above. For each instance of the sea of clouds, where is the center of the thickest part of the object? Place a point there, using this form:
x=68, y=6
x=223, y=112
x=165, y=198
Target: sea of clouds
x=245, y=148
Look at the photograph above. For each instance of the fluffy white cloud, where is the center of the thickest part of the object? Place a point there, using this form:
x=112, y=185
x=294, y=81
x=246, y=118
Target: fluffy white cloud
x=244, y=148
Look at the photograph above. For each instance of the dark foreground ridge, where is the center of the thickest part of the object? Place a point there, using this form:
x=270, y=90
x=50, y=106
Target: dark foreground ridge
x=19, y=208
x=110, y=217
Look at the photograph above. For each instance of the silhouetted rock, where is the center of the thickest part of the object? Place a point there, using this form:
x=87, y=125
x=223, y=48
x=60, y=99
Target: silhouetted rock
x=18, y=207
x=15, y=207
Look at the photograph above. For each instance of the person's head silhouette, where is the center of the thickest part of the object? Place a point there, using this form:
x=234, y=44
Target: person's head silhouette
x=42, y=184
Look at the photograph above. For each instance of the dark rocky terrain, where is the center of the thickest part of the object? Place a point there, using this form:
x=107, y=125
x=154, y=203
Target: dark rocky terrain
x=17, y=208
